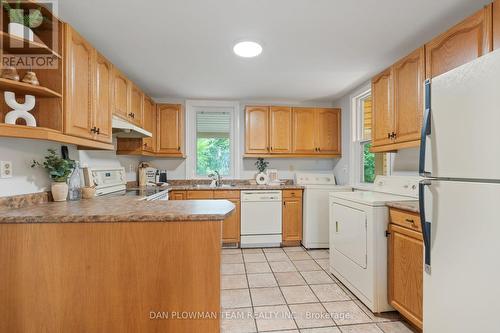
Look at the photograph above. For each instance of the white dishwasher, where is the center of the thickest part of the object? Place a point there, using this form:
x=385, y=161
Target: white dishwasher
x=261, y=218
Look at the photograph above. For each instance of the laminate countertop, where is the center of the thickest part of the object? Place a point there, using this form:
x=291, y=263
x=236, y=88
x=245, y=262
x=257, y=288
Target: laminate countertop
x=119, y=209
x=236, y=187
x=410, y=206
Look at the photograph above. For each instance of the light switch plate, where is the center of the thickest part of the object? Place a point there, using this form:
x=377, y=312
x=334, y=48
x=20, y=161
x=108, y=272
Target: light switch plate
x=5, y=169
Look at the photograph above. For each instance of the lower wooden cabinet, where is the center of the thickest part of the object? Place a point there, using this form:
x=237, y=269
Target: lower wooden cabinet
x=177, y=195
x=292, y=217
x=405, y=273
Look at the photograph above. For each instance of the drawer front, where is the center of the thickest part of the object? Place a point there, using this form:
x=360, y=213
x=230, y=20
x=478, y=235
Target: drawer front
x=200, y=195
x=405, y=219
x=292, y=193
x=227, y=194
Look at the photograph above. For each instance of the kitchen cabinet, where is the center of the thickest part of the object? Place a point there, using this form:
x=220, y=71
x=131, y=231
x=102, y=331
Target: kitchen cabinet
x=397, y=95
x=170, y=130
x=136, y=105
x=87, y=98
x=292, y=217
x=280, y=133
x=496, y=24
x=461, y=44
x=316, y=131
x=149, y=144
x=177, y=195
x=405, y=255
x=328, y=132
x=79, y=55
x=304, y=131
x=231, y=226
x=121, y=100
x=382, y=114
x=103, y=98
x=199, y=195
x=257, y=130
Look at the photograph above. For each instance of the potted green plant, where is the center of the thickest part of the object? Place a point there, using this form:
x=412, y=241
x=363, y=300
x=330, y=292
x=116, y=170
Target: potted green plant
x=261, y=177
x=59, y=169
x=22, y=21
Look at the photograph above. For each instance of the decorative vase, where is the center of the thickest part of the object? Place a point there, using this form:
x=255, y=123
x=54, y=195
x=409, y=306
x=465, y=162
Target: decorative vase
x=30, y=77
x=59, y=191
x=21, y=31
x=10, y=73
x=262, y=178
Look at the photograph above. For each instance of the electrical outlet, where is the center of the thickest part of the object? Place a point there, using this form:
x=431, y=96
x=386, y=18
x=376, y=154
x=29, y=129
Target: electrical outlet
x=5, y=169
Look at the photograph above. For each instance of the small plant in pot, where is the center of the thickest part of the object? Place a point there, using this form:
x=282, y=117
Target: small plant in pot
x=261, y=177
x=59, y=170
x=21, y=20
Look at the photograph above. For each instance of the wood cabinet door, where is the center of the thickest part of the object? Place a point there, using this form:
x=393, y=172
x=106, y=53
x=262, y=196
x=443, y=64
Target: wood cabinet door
x=231, y=225
x=177, y=195
x=149, y=144
x=328, y=132
x=496, y=24
x=382, y=113
x=169, y=129
x=304, y=130
x=408, y=77
x=200, y=195
x=292, y=219
x=136, y=105
x=406, y=272
x=257, y=130
x=464, y=42
x=121, y=100
x=103, y=98
x=79, y=82
x=280, y=133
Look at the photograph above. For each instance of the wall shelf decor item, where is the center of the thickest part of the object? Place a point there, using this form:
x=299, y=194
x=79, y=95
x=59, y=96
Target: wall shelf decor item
x=20, y=111
x=10, y=73
x=30, y=78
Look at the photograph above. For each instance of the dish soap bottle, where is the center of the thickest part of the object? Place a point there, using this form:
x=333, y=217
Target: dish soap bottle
x=75, y=186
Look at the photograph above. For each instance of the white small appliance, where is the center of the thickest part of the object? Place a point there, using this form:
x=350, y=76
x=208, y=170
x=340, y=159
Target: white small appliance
x=459, y=198
x=317, y=188
x=261, y=218
x=358, y=243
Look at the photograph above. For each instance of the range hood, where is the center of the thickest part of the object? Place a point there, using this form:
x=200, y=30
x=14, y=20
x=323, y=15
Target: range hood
x=124, y=129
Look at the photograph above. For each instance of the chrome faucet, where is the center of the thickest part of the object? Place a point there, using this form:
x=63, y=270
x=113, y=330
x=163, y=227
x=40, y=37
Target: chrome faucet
x=216, y=177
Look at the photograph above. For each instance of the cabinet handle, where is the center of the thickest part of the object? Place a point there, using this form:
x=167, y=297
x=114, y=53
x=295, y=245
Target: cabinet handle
x=179, y=148
x=145, y=144
x=319, y=149
x=388, y=135
x=410, y=221
x=284, y=203
x=98, y=131
x=92, y=130
x=336, y=226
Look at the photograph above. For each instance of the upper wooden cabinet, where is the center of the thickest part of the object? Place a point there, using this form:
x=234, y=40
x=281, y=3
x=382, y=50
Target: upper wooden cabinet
x=397, y=95
x=464, y=42
x=149, y=144
x=170, y=129
x=280, y=133
x=408, y=77
x=304, y=131
x=257, y=130
x=79, y=55
x=121, y=98
x=328, y=132
x=382, y=114
x=496, y=24
x=103, y=98
x=87, y=97
x=136, y=105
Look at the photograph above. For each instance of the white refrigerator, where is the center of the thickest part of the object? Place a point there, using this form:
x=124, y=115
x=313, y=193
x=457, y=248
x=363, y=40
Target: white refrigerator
x=460, y=199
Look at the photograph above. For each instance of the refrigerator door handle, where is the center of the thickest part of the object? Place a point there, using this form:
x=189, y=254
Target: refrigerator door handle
x=426, y=130
x=426, y=226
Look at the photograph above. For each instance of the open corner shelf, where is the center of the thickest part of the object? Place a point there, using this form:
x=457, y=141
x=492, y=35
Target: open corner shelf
x=29, y=47
x=27, y=89
x=48, y=134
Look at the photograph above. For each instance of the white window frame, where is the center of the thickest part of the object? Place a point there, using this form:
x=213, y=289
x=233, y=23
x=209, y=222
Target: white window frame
x=357, y=140
x=192, y=106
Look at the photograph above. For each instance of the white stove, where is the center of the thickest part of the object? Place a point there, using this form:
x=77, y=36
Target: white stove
x=358, y=243
x=317, y=187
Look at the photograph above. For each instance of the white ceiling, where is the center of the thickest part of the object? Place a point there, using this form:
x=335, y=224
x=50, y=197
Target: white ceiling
x=314, y=50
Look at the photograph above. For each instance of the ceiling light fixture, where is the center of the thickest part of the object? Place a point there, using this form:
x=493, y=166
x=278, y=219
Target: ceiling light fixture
x=247, y=49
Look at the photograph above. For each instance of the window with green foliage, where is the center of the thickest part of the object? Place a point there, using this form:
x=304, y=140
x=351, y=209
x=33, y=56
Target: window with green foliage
x=213, y=143
x=368, y=164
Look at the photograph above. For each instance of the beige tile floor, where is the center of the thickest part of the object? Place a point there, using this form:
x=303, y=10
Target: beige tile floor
x=290, y=290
